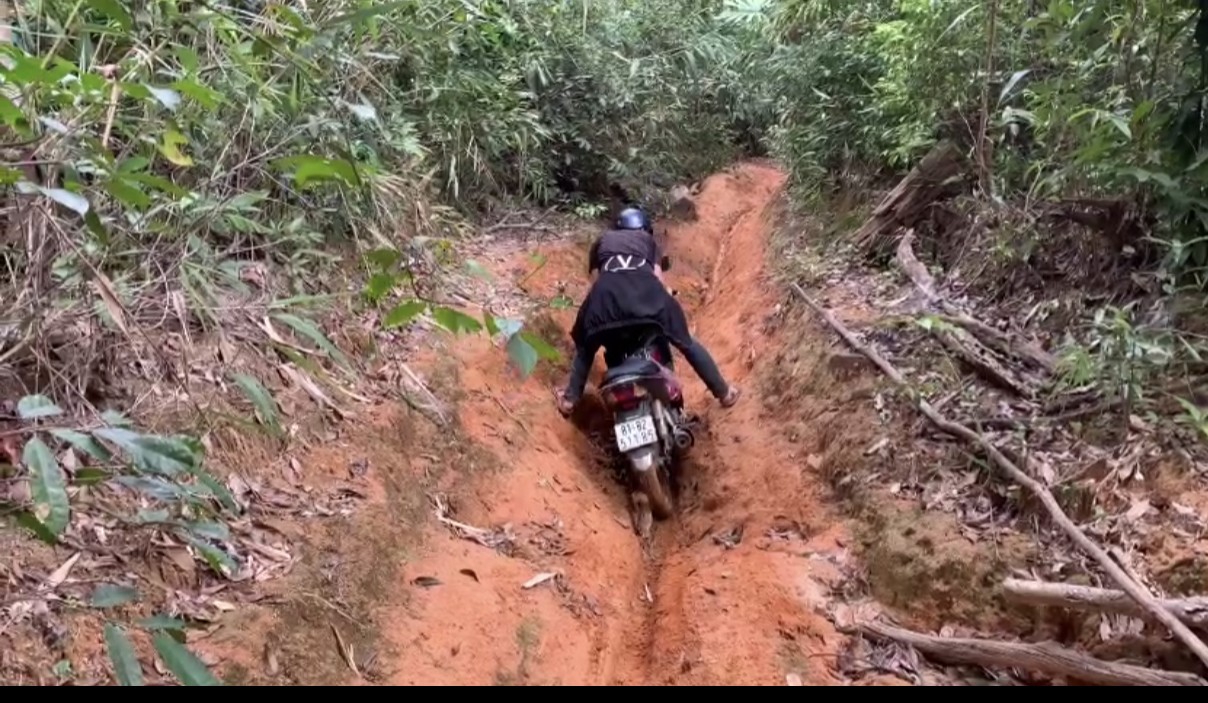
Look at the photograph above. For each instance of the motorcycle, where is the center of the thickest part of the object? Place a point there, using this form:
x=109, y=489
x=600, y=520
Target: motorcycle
x=652, y=431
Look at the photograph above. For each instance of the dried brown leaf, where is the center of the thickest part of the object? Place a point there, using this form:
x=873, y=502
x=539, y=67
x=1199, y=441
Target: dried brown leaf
x=1137, y=510
x=117, y=311
x=59, y=575
x=538, y=580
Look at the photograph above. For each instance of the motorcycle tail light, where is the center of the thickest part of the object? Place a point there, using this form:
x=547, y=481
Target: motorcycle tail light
x=625, y=396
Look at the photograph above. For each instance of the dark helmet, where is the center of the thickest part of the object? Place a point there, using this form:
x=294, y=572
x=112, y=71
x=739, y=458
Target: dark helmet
x=634, y=218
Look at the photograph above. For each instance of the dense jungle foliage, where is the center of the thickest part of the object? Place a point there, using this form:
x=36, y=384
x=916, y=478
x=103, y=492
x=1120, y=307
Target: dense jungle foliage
x=179, y=164
x=180, y=141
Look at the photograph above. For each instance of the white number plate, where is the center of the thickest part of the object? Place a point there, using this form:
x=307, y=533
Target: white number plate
x=635, y=433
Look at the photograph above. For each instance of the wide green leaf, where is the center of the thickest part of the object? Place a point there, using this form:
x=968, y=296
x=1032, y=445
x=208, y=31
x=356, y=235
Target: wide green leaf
x=183, y=664
x=167, y=456
x=522, y=355
x=27, y=520
x=312, y=332
x=379, y=285
x=112, y=595
x=404, y=313
x=455, y=321
x=218, y=559
x=33, y=407
x=66, y=198
x=266, y=406
x=157, y=488
x=48, y=486
x=126, y=667
x=543, y=348
x=83, y=443
x=309, y=169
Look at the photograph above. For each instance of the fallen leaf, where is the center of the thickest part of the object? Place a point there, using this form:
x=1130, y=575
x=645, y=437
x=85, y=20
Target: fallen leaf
x=425, y=582
x=877, y=446
x=272, y=661
x=308, y=384
x=470, y=573
x=116, y=311
x=293, y=471
x=182, y=560
x=59, y=575
x=538, y=580
x=1137, y=510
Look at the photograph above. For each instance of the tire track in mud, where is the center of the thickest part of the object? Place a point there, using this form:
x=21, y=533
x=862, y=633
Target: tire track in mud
x=728, y=593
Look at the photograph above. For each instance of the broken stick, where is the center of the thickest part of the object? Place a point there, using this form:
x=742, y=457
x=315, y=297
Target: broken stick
x=1136, y=591
x=1008, y=344
x=1192, y=611
x=1045, y=657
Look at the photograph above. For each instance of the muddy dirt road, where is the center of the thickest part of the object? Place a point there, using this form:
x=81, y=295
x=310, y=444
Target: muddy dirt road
x=732, y=592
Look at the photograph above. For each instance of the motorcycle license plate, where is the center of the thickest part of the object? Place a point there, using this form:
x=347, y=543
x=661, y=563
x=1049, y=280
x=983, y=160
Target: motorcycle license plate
x=635, y=433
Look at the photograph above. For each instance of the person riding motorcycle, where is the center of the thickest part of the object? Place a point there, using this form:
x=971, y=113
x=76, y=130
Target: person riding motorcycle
x=628, y=292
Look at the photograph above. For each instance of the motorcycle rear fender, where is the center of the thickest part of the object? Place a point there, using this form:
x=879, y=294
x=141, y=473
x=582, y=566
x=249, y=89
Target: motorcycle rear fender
x=642, y=459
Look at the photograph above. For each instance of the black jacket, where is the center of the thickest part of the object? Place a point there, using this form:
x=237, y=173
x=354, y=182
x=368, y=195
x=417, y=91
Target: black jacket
x=627, y=292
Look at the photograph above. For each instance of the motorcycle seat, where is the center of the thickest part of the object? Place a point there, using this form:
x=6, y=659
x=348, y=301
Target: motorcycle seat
x=632, y=367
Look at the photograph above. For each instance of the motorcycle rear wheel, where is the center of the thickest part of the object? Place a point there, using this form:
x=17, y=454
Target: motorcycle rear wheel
x=656, y=484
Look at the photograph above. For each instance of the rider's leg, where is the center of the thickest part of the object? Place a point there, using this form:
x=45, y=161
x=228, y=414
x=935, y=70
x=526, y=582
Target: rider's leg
x=664, y=348
x=698, y=357
x=579, y=368
x=704, y=366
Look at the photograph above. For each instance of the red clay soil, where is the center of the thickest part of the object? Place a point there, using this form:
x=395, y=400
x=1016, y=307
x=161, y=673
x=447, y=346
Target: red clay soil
x=730, y=593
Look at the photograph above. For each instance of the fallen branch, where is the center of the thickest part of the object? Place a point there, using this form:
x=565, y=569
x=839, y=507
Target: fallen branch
x=1007, y=344
x=1045, y=657
x=1192, y=611
x=1135, y=590
x=499, y=539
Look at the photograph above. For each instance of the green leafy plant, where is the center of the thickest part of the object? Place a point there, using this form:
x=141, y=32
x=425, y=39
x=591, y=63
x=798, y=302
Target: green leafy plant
x=167, y=471
x=388, y=273
x=167, y=638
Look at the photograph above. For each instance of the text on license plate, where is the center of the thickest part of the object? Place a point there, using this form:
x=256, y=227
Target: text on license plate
x=635, y=433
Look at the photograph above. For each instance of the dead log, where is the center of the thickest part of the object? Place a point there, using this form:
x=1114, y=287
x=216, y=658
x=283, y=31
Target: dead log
x=907, y=201
x=1007, y=344
x=1130, y=586
x=1046, y=657
x=955, y=337
x=1192, y=611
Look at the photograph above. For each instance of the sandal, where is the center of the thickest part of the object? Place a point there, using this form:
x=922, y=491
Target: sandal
x=565, y=406
x=731, y=398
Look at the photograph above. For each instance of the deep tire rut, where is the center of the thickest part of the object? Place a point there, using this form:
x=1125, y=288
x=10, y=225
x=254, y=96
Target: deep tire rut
x=728, y=592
